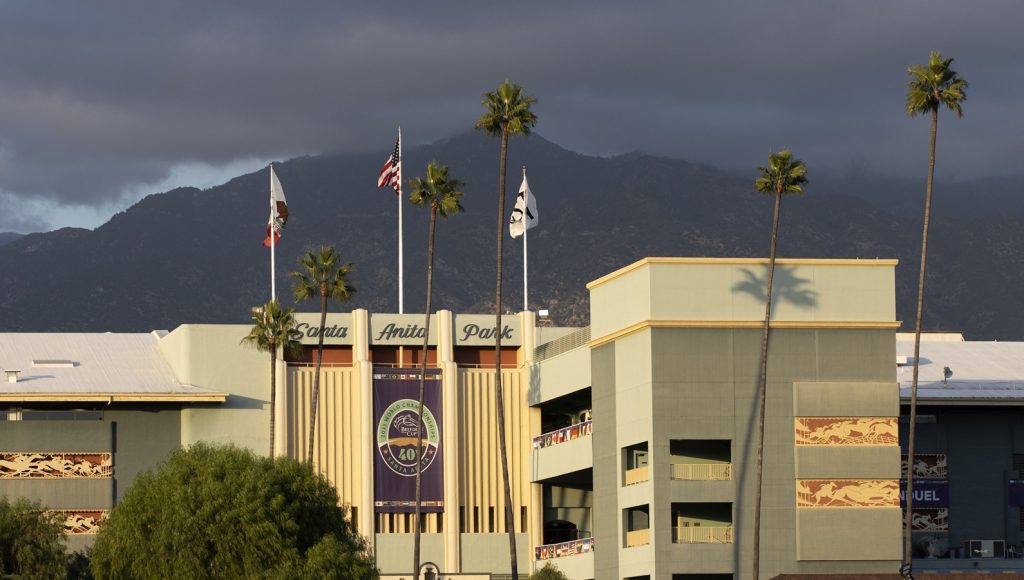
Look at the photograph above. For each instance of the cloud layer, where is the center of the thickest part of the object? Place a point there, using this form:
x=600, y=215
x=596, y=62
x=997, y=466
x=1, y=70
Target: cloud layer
x=101, y=101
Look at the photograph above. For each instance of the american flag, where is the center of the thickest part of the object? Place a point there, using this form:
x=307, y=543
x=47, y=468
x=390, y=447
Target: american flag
x=390, y=174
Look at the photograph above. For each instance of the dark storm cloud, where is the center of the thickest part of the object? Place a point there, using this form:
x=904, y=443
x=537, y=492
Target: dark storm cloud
x=103, y=97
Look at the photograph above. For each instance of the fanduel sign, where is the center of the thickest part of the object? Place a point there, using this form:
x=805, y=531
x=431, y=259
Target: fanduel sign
x=927, y=493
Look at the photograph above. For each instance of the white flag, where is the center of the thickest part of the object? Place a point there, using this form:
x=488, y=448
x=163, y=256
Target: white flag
x=524, y=216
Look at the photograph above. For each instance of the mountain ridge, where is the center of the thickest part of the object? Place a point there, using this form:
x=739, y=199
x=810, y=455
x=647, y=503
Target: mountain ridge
x=191, y=255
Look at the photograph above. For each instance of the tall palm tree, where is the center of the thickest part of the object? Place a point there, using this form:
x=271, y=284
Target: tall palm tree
x=273, y=328
x=441, y=194
x=324, y=276
x=783, y=175
x=930, y=87
x=507, y=113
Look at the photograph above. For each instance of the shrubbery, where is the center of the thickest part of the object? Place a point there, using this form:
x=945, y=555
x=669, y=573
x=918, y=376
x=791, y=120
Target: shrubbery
x=222, y=512
x=31, y=541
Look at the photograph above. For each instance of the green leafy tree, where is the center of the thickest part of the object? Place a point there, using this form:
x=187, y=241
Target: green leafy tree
x=222, y=512
x=930, y=88
x=784, y=175
x=323, y=276
x=273, y=328
x=548, y=572
x=442, y=195
x=507, y=112
x=31, y=541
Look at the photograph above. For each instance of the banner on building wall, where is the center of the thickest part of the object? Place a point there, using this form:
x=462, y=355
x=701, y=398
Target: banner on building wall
x=1016, y=492
x=927, y=493
x=395, y=407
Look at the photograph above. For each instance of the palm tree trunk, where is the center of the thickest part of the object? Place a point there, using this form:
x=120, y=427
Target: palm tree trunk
x=763, y=390
x=499, y=391
x=273, y=394
x=423, y=378
x=316, y=378
x=908, y=524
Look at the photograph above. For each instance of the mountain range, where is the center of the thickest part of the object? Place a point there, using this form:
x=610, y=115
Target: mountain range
x=195, y=256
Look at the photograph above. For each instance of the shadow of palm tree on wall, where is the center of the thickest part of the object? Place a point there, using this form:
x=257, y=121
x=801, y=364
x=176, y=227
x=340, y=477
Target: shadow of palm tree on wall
x=786, y=286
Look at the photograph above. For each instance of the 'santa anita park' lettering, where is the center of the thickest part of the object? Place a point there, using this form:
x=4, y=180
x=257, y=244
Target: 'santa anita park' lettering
x=329, y=331
x=473, y=330
x=393, y=331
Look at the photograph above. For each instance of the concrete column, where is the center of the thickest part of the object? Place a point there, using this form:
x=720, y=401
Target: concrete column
x=281, y=408
x=449, y=386
x=364, y=372
x=528, y=334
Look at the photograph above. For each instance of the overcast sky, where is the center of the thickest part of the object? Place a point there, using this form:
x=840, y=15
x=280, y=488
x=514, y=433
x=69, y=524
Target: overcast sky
x=104, y=102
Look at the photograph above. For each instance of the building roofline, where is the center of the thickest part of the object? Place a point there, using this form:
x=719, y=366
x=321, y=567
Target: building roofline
x=742, y=262
x=780, y=324
x=206, y=397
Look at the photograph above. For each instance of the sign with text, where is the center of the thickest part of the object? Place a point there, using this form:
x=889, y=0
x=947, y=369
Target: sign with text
x=396, y=419
x=927, y=493
x=337, y=331
x=479, y=330
x=395, y=329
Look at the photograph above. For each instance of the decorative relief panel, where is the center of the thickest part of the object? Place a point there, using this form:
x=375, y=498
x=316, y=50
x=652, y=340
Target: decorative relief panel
x=927, y=466
x=846, y=431
x=847, y=493
x=46, y=465
x=82, y=522
x=930, y=520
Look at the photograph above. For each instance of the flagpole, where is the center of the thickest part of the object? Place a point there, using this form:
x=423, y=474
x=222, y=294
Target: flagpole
x=401, y=268
x=526, y=229
x=273, y=277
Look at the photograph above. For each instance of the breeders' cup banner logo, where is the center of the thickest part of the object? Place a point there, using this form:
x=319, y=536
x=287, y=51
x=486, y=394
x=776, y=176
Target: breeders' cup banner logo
x=395, y=407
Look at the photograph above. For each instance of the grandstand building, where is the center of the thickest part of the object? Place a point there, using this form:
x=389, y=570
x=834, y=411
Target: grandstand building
x=631, y=442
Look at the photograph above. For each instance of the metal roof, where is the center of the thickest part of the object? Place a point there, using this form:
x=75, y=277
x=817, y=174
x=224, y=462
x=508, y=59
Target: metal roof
x=982, y=372
x=104, y=367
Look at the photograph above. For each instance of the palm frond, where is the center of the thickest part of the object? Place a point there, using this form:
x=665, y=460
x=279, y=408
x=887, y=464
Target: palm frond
x=321, y=276
x=784, y=174
x=934, y=85
x=437, y=191
x=507, y=109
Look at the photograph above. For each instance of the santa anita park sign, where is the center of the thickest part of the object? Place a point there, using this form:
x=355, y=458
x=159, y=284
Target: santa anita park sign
x=408, y=329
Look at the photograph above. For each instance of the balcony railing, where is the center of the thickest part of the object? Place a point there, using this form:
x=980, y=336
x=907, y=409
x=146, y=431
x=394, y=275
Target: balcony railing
x=638, y=537
x=548, y=551
x=564, y=434
x=701, y=535
x=637, y=475
x=702, y=471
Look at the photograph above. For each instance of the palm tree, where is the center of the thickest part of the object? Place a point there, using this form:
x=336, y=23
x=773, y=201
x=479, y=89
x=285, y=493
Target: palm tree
x=507, y=113
x=784, y=175
x=323, y=275
x=930, y=87
x=441, y=194
x=273, y=328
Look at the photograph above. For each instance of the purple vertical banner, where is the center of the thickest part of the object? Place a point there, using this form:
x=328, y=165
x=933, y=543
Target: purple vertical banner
x=395, y=408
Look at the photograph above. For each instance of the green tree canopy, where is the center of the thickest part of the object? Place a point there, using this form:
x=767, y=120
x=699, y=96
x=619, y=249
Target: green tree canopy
x=933, y=85
x=223, y=512
x=31, y=541
x=548, y=572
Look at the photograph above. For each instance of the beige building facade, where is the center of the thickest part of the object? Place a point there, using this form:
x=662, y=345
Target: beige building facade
x=631, y=442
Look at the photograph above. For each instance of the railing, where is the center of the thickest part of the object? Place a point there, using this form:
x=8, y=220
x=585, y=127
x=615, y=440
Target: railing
x=564, y=434
x=637, y=475
x=701, y=535
x=702, y=471
x=638, y=537
x=574, y=339
x=548, y=551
